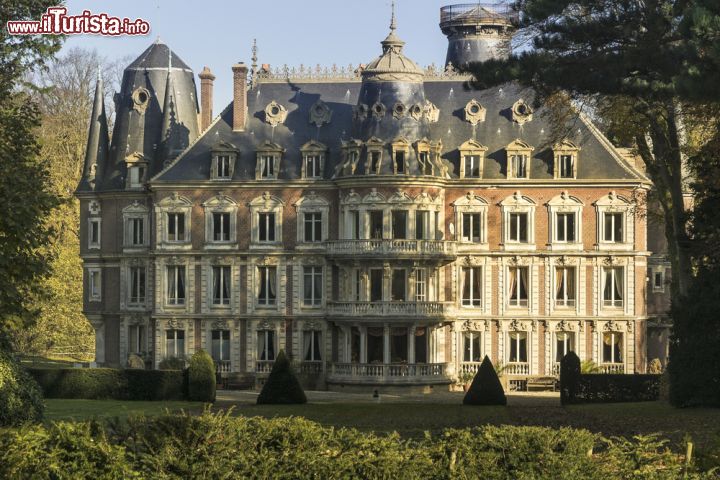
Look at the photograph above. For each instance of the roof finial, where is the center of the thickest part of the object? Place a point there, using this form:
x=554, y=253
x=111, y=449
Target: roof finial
x=254, y=54
x=393, y=25
x=169, y=59
x=99, y=73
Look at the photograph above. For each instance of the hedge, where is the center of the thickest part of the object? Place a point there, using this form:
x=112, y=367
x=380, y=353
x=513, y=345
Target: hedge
x=219, y=445
x=20, y=396
x=610, y=388
x=201, y=378
x=108, y=383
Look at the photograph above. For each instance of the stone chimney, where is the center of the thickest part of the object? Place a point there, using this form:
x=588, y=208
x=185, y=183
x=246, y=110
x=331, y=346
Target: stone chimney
x=240, y=72
x=206, y=98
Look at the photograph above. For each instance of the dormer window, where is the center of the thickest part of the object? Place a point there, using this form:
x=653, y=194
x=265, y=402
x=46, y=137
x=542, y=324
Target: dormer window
x=137, y=175
x=223, y=167
x=518, y=159
x=136, y=168
x=223, y=161
x=425, y=152
x=400, y=162
x=313, y=159
x=400, y=151
x=375, y=163
x=472, y=154
x=351, y=153
x=374, y=156
x=268, y=161
x=565, y=154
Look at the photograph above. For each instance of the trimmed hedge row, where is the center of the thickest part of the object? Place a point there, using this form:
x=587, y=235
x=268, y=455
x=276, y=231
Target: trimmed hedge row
x=576, y=388
x=221, y=446
x=109, y=383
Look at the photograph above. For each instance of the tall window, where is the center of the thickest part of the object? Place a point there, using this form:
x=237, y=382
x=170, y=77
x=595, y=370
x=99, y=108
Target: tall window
x=266, y=227
x=137, y=231
x=613, y=227
x=422, y=225
x=376, y=285
x=427, y=168
x=375, y=162
x=136, y=339
x=221, y=285
x=354, y=224
x=267, y=294
x=313, y=227
x=312, y=166
x=472, y=347
x=94, y=236
x=312, y=286
x=612, y=347
x=565, y=227
x=399, y=224
x=223, y=167
x=95, y=285
x=400, y=162
x=376, y=224
x=137, y=285
x=564, y=287
x=266, y=345
x=220, y=345
x=613, y=287
x=137, y=175
x=267, y=169
x=421, y=293
x=221, y=226
x=471, y=286
x=518, y=286
x=471, y=227
x=312, y=345
x=357, y=285
x=472, y=166
x=518, y=347
x=176, y=227
x=566, y=166
x=518, y=164
x=175, y=343
x=399, y=284
x=176, y=285
x=564, y=344
x=518, y=227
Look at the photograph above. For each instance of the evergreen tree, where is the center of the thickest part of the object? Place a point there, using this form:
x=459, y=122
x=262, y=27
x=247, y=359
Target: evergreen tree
x=282, y=386
x=485, y=388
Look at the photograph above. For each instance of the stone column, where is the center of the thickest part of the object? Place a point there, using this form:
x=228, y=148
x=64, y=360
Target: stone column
x=386, y=344
x=411, y=344
x=363, y=344
x=99, y=326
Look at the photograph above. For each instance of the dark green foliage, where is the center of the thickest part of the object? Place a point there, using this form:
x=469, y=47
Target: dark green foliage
x=108, y=383
x=221, y=446
x=20, y=397
x=609, y=388
x=485, y=388
x=282, y=386
x=569, y=378
x=172, y=363
x=201, y=378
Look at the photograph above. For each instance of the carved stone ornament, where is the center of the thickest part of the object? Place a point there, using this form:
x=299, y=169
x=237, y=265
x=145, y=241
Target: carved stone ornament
x=474, y=112
x=611, y=326
x=563, y=326
x=360, y=112
x=265, y=325
x=399, y=110
x=518, y=261
x=312, y=325
x=432, y=113
x=219, y=325
x=141, y=99
x=94, y=207
x=320, y=113
x=517, y=326
x=521, y=112
x=473, y=325
x=352, y=197
x=275, y=114
x=472, y=261
x=136, y=319
x=565, y=261
x=378, y=110
x=175, y=324
x=416, y=112
x=611, y=261
x=268, y=260
x=630, y=325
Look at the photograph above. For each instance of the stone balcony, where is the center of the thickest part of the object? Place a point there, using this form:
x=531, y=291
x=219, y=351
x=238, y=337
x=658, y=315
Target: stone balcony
x=389, y=309
x=429, y=249
x=387, y=373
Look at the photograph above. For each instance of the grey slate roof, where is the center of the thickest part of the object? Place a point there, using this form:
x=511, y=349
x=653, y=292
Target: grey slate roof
x=498, y=130
x=156, y=56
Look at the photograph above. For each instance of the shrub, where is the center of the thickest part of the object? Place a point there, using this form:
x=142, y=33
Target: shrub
x=201, y=378
x=107, y=383
x=172, y=363
x=608, y=388
x=136, y=362
x=485, y=388
x=282, y=386
x=655, y=366
x=20, y=397
x=569, y=378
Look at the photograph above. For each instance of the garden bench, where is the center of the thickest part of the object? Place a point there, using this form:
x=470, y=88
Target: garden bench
x=541, y=383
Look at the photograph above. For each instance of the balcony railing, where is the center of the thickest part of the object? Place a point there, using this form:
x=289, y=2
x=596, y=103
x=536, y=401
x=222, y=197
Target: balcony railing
x=311, y=368
x=264, y=366
x=392, y=247
x=389, y=371
x=517, y=368
x=222, y=366
x=612, y=368
x=353, y=309
x=477, y=12
x=469, y=367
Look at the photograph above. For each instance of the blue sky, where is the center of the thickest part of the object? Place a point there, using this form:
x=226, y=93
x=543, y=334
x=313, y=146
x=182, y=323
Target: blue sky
x=220, y=33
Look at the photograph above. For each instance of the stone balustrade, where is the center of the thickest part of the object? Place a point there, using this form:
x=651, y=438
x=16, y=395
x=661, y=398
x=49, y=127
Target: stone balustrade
x=392, y=248
x=612, y=368
x=517, y=368
x=396, y=309
x=392, y=372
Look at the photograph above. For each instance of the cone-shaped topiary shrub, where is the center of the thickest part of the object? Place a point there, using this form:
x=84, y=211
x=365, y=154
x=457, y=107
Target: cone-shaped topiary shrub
x=282, y=386
x=201, y=378
x=485, y=388
x=569, y=378
x=20, y=397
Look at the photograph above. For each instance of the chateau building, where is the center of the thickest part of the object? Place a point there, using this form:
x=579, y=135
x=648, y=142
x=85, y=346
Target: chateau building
x=384, y=224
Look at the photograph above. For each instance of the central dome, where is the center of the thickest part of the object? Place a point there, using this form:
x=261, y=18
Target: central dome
x=392, y=65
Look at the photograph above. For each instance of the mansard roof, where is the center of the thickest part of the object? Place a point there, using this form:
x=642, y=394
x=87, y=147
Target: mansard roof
x=600, y=161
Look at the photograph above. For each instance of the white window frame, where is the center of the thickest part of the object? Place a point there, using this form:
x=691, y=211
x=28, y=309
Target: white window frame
x=616, y=304
x=472, y=148
x=269, y=156
x=220, y=204
x=464, y=339
x=266, y=204
x=94, y=245
x=510, y=340
x=314, y=302
x=422, y=284
x=266, y=341
x=94, y=284
x=173, y=204
x=374, y=146
x=562, y=204
x=136, y=176
x=175, y=353
x=528, y=288
x=313, y=334
x=132, y=213
x=623, y=353
x=515, y=151
x=312, y=204
x=224, y=302
x=130, y=296
x=317, y=151
x=175, y=302
x=565, y=303
x=229, y=341
x=474, y=269
x=268, y=302
x=570, y=345
x=564, y=149
x=517, y=203
x=471, y=204
x=141, y=343
x=614, y=203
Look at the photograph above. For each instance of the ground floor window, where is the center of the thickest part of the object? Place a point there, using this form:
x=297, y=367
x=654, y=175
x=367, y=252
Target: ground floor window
x=375, y=345
x=136, y=339
x=312, y=345
x=355, y=339
x=266, y=345
x=518, y=347
x=220, y=347
x=471, y=347
x=175, y=343
x=564, y=344
x=398, y=345
x=612, y=347
x=421, y=345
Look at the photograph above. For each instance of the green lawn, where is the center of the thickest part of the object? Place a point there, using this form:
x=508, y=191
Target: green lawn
x=89, y=409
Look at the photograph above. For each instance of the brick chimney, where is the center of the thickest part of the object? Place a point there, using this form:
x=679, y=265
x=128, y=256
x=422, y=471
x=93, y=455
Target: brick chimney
x=206, y=98
x=240, y=72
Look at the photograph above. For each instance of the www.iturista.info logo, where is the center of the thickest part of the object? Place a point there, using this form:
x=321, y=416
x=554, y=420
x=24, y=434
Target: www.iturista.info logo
x=56, y=21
